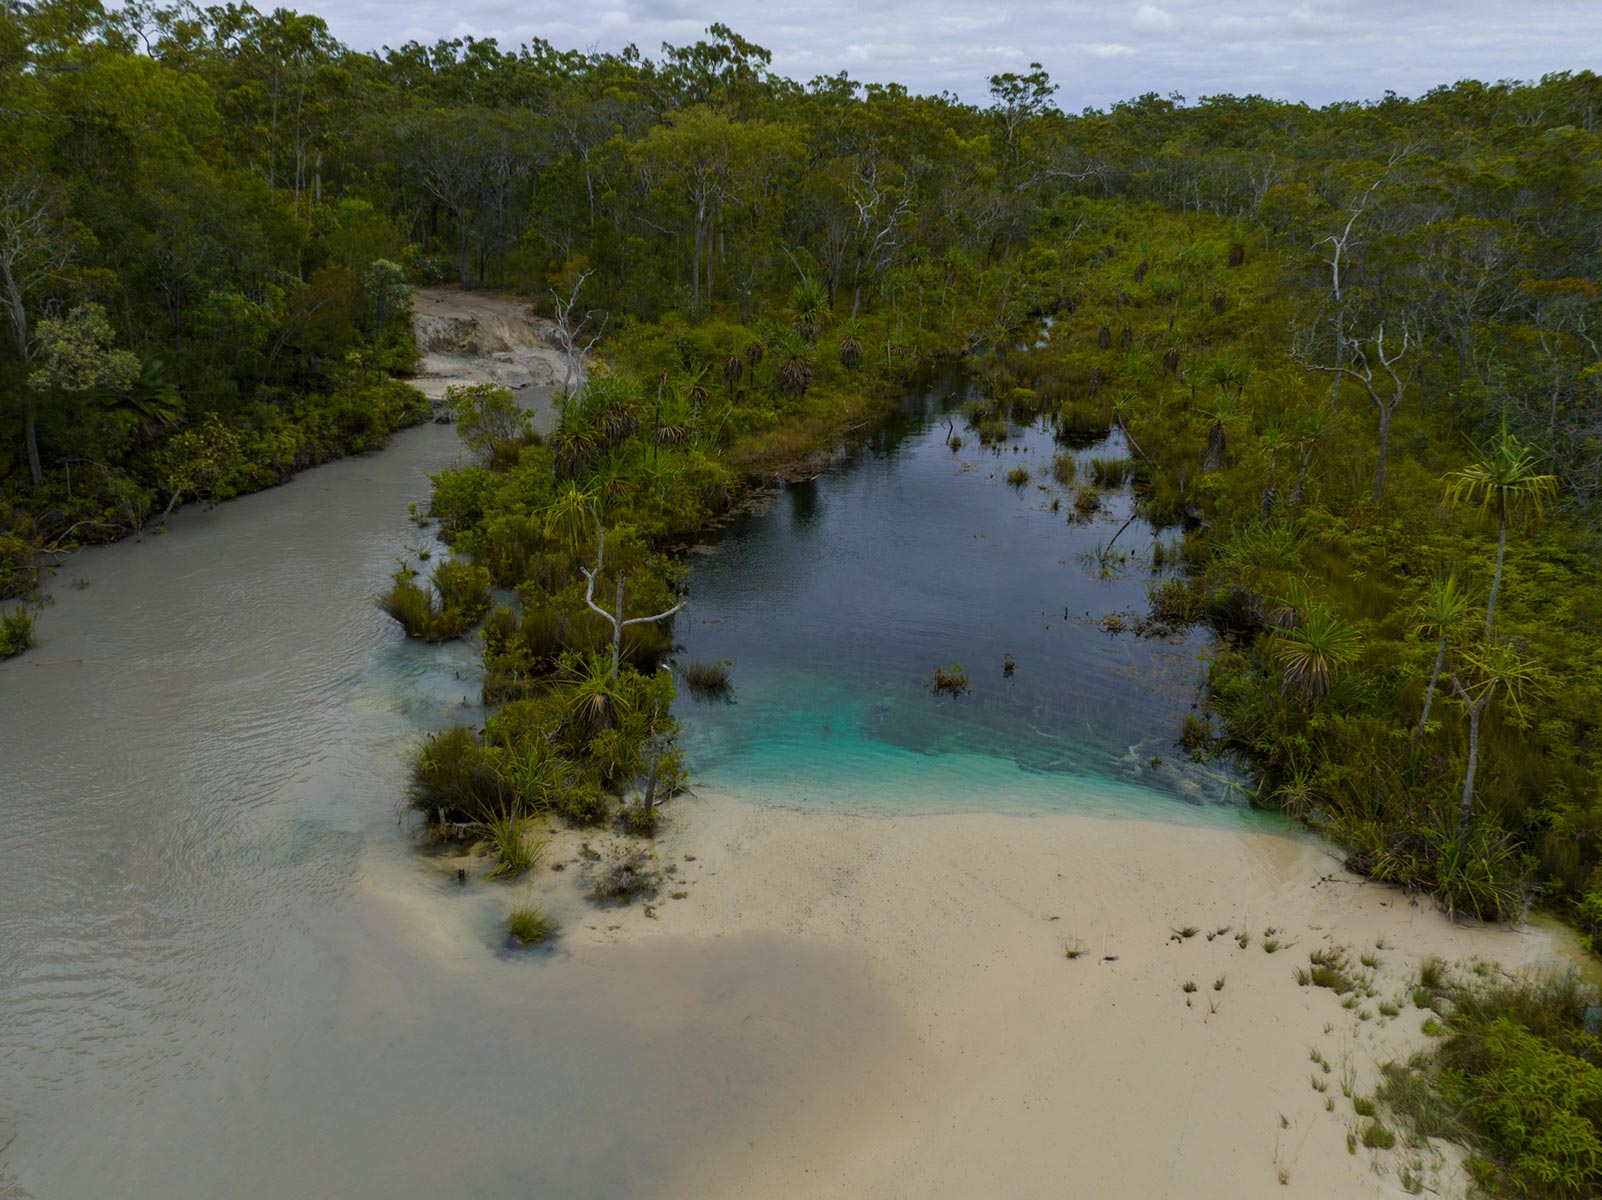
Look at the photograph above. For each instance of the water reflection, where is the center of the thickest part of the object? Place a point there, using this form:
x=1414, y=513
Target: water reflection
x=838, y=600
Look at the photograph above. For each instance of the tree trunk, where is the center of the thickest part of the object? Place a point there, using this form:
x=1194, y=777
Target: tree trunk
x=1496, y=578
x=1384, y=451
x=1466, y=812
x=31, y=436
x=617, y=629
x=1429, y=692
x=464, y=260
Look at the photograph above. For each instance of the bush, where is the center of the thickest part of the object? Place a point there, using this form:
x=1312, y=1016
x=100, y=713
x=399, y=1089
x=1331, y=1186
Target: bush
x=463, y=596
x=530, y=925
x=582, y=805
x=952, y=680
x=639, y=820
x=515, y=851
x=17, y=575
x=1519, y=1076
x=1110, y=472
x=16, y=632
x=455, y=780
x=627, y=879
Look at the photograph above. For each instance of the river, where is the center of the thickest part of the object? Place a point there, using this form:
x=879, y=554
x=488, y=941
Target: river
x=224, y=970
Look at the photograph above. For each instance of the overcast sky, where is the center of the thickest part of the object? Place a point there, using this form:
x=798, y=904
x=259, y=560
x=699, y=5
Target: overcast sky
x=1097, y=50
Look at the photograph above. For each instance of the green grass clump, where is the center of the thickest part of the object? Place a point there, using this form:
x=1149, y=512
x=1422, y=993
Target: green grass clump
x=1110, y=472
x=1377, y=1137
x=1328, y=969
x=1017, y=476
x=706, y=680
x=515, y=851
x=16, y=632
x=1065, y=469
x=530, y=925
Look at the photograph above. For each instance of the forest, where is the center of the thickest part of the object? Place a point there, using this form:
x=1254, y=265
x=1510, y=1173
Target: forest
x=1356, y=352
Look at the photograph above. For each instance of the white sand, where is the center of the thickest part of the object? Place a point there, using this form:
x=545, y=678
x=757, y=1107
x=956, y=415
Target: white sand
x=1028, y=1074
x=479, y=337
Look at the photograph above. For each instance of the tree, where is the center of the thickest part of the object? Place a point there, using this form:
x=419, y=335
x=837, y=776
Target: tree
x=1504, y=478
x=35, y=246
x=1387, y=392
x=1441, y=611
x=1495, y=669
x=615, y=617
x=487, y=416
x=575, y=333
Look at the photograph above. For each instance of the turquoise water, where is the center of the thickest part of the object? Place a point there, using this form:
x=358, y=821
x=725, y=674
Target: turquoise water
x=838, y=598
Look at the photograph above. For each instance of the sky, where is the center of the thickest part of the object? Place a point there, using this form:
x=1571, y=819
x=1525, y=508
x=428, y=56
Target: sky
x=1097, y=51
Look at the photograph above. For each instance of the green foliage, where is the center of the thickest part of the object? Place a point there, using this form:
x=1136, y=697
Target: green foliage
x=16, y=631
x=459, y=597
x=488, y=418
x=1518, y=1076
x=530, y=925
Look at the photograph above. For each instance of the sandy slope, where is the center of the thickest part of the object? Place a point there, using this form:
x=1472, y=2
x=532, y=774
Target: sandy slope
x=1030, y=1074
x=474, y=337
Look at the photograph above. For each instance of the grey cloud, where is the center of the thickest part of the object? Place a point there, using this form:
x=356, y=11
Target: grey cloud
x=1317, y=50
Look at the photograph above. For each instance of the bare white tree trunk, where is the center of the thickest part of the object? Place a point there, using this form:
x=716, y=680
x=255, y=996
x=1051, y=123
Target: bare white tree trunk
x=614, y=618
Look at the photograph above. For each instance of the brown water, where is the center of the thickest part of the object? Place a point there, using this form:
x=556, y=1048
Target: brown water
x=224, y=970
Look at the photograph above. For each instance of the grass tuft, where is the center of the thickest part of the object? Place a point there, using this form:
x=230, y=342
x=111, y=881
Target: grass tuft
x=530, y=926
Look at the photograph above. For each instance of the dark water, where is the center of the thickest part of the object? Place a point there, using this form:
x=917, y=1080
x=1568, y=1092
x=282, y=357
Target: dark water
x=838, y=600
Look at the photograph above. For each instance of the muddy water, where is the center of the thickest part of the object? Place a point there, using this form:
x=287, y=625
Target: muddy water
x=224, y=971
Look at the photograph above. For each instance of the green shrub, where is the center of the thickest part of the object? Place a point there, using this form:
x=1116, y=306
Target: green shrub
x=17, y=576
x=582, y=804
x=16, y=632
x=456, y=781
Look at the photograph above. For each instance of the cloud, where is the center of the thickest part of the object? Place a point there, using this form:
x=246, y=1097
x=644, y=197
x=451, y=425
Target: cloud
x=1105, y=49
x=1099, y=51
x=1149, y=18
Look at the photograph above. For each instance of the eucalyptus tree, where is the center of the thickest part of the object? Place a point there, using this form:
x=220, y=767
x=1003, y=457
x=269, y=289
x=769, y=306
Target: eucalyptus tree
x=36, y=244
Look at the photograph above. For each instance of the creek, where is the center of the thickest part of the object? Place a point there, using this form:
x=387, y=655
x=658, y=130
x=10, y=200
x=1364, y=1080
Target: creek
x=224, y=968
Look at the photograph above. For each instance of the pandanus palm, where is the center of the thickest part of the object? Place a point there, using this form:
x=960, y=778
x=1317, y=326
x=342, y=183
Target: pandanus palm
x=851, y=345
x=1504, y=478
x=593, y=699
x=1312, y=648
x=793, y=365
x=809, y=308
x=1440, y=612
x=566, y=519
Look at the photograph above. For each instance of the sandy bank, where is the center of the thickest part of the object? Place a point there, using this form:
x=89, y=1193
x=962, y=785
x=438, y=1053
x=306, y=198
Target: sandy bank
x=1030, y=1073
x=478, y=337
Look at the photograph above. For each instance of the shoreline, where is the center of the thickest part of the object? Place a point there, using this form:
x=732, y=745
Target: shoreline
x=1025, y=1071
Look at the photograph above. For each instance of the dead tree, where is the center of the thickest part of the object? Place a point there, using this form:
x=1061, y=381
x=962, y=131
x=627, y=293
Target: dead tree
x=614, y=618
x=1386, y=393
x=575, y=334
